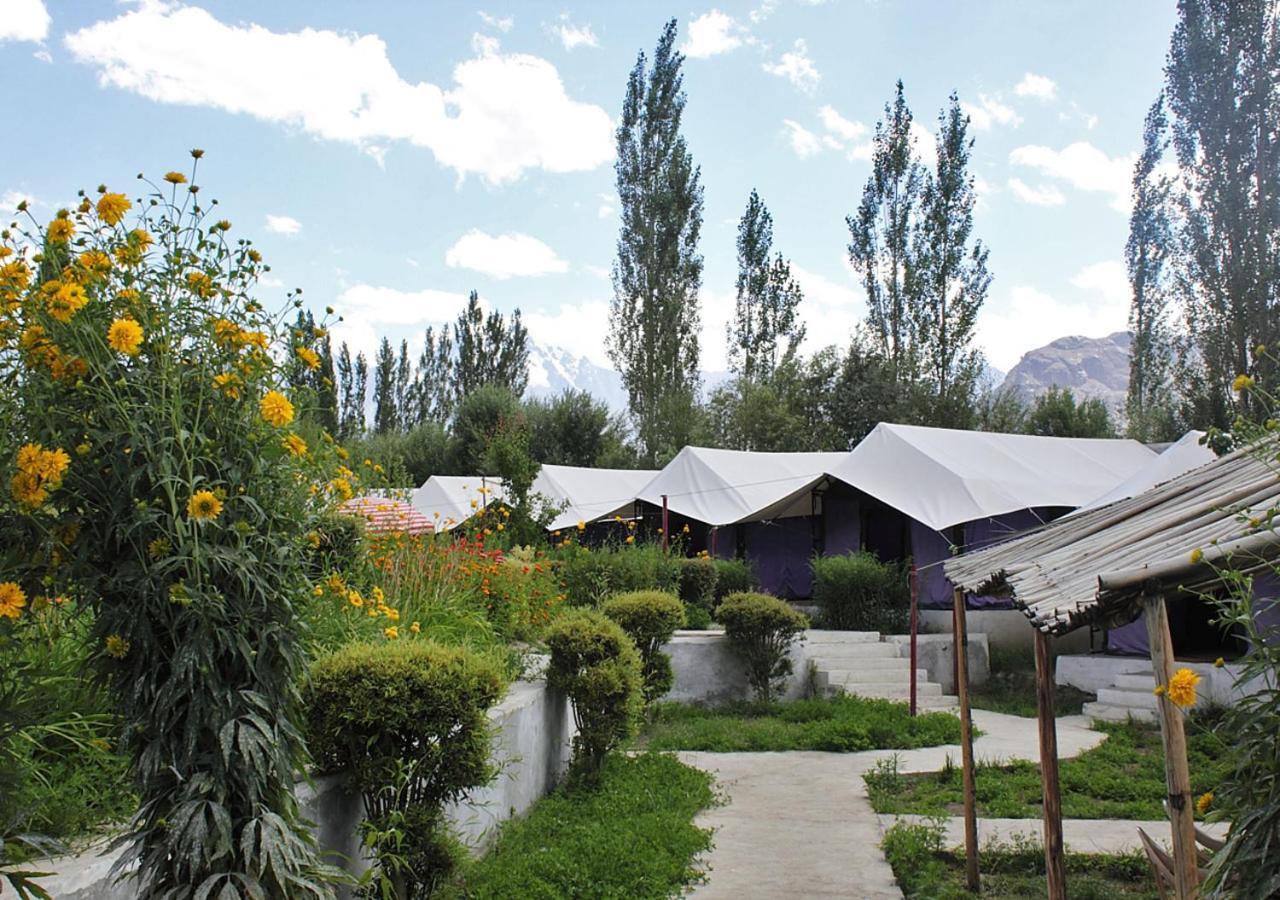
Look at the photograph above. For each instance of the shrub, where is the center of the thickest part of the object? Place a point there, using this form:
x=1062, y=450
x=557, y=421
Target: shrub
x=649, y=618
x=697, y=618
x=733, y=576
x=597, y=665
x=588, y=577
x=698, y=579
x=407, y=720
x=762, y=629
x=339, y=545
x=858, y=592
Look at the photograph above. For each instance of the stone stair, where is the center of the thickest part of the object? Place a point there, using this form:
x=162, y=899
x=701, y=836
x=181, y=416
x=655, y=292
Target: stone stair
x=1129, y=697
x=862, y=663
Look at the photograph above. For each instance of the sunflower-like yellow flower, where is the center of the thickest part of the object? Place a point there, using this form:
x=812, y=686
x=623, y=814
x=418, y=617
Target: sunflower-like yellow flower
x=276, y=409
x=1219, y=663
x=1242, y=383
x=309, y=357
x=125, y=336
x=116, y=646
x=95, y=261
x=1182, y=687
x=1205, y=802
x=342, y=488
x=68, y=300
x=61, y=229
x=392, y=632
x=175, y=178
x=112, y=207
x=294, y=443
x=200, y=284
x=12, y=599
x=47, y=465
x=1196, y=555
x=204, y=505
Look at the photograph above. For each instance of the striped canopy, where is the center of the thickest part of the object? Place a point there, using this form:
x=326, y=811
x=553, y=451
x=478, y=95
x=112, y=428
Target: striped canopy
x=384, y=515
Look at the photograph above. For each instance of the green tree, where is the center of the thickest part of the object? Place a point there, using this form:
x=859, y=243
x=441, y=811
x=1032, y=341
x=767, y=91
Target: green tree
x=866, y=393
x=309, y=372
x=1056, y=413
x=432, y=390
x=1001, y=409
x=490, y=350
x=353, y=382
x=386, y=417
x=654, y=313
x=570, y=429
x=480, y=416
x=767, y=297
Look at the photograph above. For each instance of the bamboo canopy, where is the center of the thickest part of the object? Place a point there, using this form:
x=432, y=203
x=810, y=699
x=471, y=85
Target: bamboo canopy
x=1095, y=566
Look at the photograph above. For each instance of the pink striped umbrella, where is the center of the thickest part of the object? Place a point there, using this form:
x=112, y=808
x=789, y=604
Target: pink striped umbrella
x=385, y=515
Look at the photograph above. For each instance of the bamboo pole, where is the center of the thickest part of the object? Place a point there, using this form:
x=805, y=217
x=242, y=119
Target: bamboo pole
x=961, y=642
x=1054, y=861
x=1177, y=774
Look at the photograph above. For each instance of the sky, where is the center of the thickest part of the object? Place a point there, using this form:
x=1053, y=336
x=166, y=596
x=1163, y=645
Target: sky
x=389, y=157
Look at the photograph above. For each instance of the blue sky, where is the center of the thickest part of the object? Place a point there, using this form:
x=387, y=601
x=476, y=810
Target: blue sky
x=388, y=157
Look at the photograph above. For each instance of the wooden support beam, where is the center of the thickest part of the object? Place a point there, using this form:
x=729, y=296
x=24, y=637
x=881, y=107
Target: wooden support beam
x=961, y=640
x=1054, y=861
x=1177, y=774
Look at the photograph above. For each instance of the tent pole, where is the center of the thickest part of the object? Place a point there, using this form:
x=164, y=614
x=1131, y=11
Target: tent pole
x=1054, y=863
x=666, y=524
x=915, y=627
x=1177, y=775
x=961, y=641
x=715, y=530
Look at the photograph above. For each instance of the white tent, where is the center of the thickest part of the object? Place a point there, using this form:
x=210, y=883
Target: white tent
x=723, y=487
x=1181, y=456
x=449, y=500
x=589, y=494
x=942, y=477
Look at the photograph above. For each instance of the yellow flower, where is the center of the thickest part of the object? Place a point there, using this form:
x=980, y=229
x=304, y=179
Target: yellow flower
x=1242, y=383
x=117, y=646
x=228, y=383
x=685, y=530
x=1219, y=663
x=47, y=465
x=112, y=207
x=391, y=632
x=294, y=444
x=67, y=301
x=342, y=488
x=631, y=539
x=61, y=229
x=1205, y=801
x=27, y=490
x=200, y=284
x=308, y=356
x=276, y=409
x=415, y=628
x=1196, y=555
x=95, y=261
x=204, y=505
x=125, y=336
x=12, y=599
x=1182, y=687
x=1158, y=690
x=158, y=547
x=582, y=526
x=354, y=598
x=175, y=178
x=313, y=538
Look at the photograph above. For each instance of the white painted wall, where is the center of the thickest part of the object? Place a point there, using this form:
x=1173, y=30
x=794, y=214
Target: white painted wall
x=706, y=670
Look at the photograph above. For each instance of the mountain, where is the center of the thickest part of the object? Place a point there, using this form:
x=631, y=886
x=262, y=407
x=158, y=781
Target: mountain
x=552, y=369
x=1090, y=367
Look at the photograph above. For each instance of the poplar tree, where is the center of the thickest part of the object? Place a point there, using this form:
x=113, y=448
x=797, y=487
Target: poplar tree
x=654, y=314
x=432, y=390
x=349, y=407
x=765, y=310
x=360, y=394
x=404, y=388
x=490, y=350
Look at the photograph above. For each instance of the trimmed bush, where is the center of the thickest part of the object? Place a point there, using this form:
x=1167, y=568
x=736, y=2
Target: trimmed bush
x=698, y=579
x=597, y=665
x=858, y=592
x=407, y=721
x=761, y=630
x=649, y=618
x=697, y=618
x=733, y=576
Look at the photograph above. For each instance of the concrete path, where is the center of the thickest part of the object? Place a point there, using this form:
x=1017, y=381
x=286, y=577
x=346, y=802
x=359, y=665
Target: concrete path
x=1079, y=835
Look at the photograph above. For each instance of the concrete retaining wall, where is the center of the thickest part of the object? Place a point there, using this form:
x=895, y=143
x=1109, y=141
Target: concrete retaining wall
x=1217, y=687
x=1004, y=628
x=936, y=653
x=706, y=670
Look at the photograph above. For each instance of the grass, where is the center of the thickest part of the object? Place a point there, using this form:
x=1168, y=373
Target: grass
x=841, y=724
x=925, y=870
x=1014, y=693
x=1122, y=778
x=631, y=835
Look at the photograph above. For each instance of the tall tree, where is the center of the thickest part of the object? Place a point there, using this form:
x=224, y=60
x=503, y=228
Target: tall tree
x=405, y=418
x=490, y=350
x=1221, y=81
x=350, y=405
x=654, y=316
x=1148, y=406
x=1056, y=413
x=433, y=393
x=951, y=279
x=360, y=394
x=767, y=298
x=385, y=417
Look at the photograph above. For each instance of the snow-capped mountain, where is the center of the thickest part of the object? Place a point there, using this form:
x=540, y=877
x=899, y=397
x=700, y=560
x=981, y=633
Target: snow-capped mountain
x=552, y=369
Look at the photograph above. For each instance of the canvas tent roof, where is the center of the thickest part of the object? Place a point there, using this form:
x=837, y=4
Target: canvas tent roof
x=446, y=499
x=1182, y=455
x=943, y=477
x=723, y=487
x=590, y=494
x=1094, y=567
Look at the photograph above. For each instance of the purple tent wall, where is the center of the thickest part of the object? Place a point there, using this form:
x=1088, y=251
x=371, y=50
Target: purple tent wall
x=928, y=549
x=780, y=551
x=842, y=520
x=1131, y=639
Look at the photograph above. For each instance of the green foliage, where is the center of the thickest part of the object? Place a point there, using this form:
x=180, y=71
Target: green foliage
x=767, y=297
x=407, y=721
x=841, y=724
x=629, y=837
x=482, y=414
x=649, y=618
x=761, y=630
x=597, y=666
x=858, y=592
x=1014, y=693
x=697, y=618
x=733, y=576
x=590, y=576
x=407, y=457
x=698, y=579
x=342, y=546
x=1057, y=414
x=491, y=350
x=573, y=429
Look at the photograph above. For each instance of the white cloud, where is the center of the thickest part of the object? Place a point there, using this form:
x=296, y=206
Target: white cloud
x=504, y=256
x=573, y=36
x=1040, y=195
x=841, y=128
x=580, y=328
x=711, y=34
x=607, y=207
x=1108, y=279
x=502, y=23
x=1030, y=318
x=803, y=141
x=1036, y=86
x=24, y=20
x=283, y=224
x=796, y=67
x=830, y=309
x=505, y=113
x=989, y=111
x=364, y=305
x=1083, y=166
x=926, y=145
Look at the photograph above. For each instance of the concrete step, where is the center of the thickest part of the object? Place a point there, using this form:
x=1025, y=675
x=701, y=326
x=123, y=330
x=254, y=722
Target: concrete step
x=1109, y=713
x=898, y=690
x=859, y=663
x=853, y=649
x=1136, y=681
x=869, y=674
x=813, y=638
x=1131, y=699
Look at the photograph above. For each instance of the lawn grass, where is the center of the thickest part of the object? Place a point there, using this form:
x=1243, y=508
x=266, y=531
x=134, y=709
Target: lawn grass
x=841, y=724
x=631, y=835
x=1122, y=778
x=926, y=871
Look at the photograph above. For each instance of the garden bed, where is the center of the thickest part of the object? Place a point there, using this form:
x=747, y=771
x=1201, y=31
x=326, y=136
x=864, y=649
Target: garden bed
x=1121, y=778
x=841, y=724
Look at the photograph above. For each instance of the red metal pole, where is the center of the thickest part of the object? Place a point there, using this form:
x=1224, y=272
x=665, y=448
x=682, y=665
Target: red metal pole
x=914, y=628
x=666, y=524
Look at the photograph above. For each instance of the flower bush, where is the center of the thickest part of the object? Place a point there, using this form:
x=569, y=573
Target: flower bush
x=156, y=475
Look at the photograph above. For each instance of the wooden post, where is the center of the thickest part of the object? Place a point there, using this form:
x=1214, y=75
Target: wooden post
x=915, y=627
x=1054, y=862
x=1177, y=774
x=961, y=639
